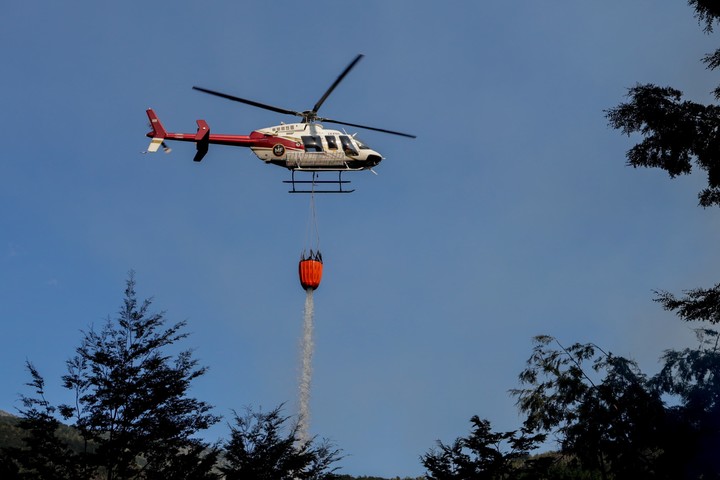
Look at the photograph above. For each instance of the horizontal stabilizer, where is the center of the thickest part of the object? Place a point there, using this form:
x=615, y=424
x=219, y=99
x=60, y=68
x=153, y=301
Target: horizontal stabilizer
x=155, y=144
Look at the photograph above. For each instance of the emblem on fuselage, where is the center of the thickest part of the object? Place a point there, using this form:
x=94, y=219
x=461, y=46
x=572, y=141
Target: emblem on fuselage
x=278, y=150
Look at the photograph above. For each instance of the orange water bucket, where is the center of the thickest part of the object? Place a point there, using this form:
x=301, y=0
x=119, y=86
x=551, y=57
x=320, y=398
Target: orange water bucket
x=310, y=271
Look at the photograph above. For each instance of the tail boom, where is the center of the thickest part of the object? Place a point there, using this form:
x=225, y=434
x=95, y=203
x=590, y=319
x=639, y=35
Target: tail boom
x=202, y=138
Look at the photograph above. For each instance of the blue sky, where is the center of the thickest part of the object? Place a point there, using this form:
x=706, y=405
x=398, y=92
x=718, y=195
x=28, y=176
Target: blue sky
x=511, y=215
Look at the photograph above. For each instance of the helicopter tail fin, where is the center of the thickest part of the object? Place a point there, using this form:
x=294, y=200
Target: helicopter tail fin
x=157, y=134
x=202, y=140
x=158, y=131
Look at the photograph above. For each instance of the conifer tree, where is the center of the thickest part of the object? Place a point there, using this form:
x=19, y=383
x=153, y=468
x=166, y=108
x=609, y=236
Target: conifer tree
x=131, y=398
x=676, y=133
x=262, y=447
x=44, y=454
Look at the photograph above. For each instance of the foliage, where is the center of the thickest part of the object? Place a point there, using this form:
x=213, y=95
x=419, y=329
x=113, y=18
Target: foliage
x=692, y=377
x=10, y=434
x=363, y=477
x=707, y=11
x=131, y=396
x=9, y=469
x=44, y=454
x=484, y=454
x=675, y=132
x=133, y=418
x=611, y=421
x=261, y=447
x=698, y=304
x=131, y=406
x=610, y=424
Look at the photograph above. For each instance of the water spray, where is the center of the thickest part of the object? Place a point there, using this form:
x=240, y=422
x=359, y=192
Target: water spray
x=310, y=271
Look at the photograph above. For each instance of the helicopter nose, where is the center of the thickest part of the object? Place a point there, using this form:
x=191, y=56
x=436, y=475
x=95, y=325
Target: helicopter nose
x=374, y=159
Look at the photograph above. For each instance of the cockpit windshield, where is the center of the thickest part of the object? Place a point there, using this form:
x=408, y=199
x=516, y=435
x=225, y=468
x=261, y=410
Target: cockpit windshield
x=361, y=145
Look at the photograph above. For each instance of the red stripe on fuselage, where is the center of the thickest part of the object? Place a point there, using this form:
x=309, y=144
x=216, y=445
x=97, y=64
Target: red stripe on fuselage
x=255, y=139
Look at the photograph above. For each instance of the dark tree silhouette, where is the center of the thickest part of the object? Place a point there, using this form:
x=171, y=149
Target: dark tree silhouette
x=131, y=407
x=9, y=469
x=676, y=132
x=692, y=376
x=485, y=454
x=700, y=304
x=44, y=454
x=610, y=420
x=707, y=11
x=131, y=397
x=262, y=447
x=604, y=413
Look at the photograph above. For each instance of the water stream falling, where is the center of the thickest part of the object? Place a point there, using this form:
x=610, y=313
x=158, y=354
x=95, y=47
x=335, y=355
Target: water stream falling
x=307, y=348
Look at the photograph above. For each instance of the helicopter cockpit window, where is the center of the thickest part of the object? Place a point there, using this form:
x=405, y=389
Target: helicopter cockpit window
x=331, y=142
x=312, y=143
x=347, y=145
x=361, y=145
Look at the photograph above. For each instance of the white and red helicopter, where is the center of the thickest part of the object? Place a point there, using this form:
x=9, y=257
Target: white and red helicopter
x=306, y=146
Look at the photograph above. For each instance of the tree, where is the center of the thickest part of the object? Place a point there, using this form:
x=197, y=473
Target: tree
x=692, y=377
x=700, y=304
x=707, y=11
x=131, y=403
x=676, y=132
x=605, y=412
x=612, y=424
x=44, y=455
x=611, y=421
x=484, y=454
x=8, y=467
x=262, y=448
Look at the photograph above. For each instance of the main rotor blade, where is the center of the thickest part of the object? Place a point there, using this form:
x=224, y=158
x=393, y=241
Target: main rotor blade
x=249, y=102
x=392, y=132
x=339, y=79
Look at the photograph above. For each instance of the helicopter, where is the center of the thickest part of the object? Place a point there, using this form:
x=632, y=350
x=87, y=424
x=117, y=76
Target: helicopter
x=306, y=146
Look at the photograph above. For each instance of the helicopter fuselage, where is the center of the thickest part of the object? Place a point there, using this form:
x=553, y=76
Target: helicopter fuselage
x=295, y=146
x=310, y=146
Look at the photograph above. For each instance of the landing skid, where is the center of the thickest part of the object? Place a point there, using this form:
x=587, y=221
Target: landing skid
x=339, y=183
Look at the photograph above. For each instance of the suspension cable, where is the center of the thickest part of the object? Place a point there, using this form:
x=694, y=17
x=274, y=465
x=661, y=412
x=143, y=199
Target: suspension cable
x=312, y=233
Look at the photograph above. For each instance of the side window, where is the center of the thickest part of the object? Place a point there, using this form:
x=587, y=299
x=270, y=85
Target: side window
x=313, y=143
x=331, y=142
x=347, y=145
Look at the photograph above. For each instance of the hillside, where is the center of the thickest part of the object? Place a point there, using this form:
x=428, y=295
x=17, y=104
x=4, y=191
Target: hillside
x=11, y=436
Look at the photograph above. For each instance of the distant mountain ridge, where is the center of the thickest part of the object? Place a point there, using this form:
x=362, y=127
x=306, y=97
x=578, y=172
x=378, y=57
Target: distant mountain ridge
x=11, y=436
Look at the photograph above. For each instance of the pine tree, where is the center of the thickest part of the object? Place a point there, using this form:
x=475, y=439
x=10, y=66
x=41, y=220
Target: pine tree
x=131, y=403
x=261, y=448
x=676, y=133
x=44, y=455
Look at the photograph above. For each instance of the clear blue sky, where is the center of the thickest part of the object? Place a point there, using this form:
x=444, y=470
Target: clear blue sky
x=511, y=215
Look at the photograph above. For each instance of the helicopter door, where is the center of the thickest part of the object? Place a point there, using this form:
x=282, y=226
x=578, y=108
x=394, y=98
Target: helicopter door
x=331, y=142
x=312, y=143
x=347, y=145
